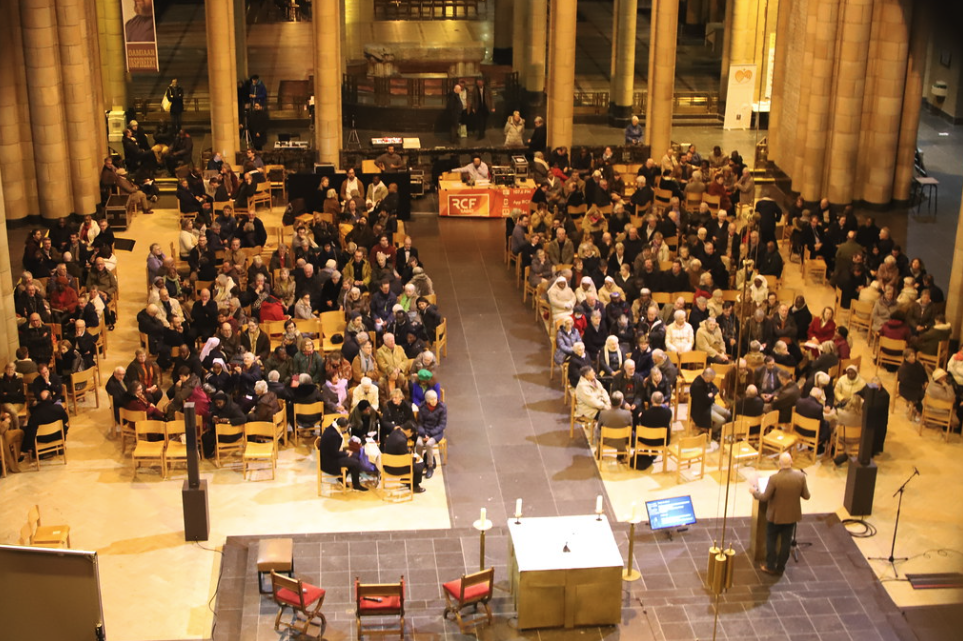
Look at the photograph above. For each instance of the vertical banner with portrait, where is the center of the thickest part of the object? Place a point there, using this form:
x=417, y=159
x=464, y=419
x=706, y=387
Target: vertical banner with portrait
x=742, y=85
x=140, y=36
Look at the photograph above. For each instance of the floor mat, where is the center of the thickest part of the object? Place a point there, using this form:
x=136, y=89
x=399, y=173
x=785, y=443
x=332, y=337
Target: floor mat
x=939, y=580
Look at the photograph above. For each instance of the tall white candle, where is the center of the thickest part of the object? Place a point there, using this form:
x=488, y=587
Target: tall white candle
x=482, y=518
x=598, y=504
x=518, y=507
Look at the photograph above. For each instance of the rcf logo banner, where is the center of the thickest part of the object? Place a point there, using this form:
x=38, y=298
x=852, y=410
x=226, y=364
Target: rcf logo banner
x=468, y=204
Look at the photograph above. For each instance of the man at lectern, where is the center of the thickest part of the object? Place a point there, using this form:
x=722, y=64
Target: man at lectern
x=783, y=492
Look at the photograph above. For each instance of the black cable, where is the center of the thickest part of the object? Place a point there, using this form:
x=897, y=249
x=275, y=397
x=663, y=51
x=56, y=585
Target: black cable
x=217, y=586
x=869, y=530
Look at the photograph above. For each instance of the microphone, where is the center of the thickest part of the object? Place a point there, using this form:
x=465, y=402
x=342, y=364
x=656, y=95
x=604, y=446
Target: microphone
x=916, y=471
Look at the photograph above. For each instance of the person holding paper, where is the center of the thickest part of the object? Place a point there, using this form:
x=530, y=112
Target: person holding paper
x=783, y=492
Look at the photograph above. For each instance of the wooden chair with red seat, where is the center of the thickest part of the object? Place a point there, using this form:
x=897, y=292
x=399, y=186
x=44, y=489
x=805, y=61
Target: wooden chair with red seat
x=470, y=590
x=380, y=600
x=302, y=598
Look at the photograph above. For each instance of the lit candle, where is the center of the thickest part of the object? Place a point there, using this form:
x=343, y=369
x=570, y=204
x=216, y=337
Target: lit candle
x=518, y=507
x=598, y=504
x=482, y=519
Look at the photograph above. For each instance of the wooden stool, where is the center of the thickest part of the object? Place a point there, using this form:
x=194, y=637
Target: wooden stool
x=276, y=555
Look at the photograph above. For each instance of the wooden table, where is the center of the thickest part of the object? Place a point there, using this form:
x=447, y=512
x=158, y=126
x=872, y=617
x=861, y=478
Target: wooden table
x=555, y=588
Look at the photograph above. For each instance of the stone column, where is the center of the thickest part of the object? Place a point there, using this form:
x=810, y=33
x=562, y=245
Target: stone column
x=99, y=133
x=9, y=337
x=820, y=101
x=912, y=102
x=327, y=82
x=726, y=49
x=535, y=42
x=693, y=13
x=797, y=147
x=662, y=50
x=503, y=39
x=47, y=117
x=240, y=37
x=954, y=294
x=114, y=65
x=856, y=23
x=222, y=77
x=776, y=151
x=886, y=103
x=75, y=72
x=563, y=73
x=520, y=20
x=623, y=78
x=29, y=166
x=12, y=162
x=743, y=30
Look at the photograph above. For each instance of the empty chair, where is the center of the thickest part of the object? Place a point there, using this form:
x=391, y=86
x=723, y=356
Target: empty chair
x=614, y=441
x=687, y=452
x=259, y=446
x=473, y=589
x=399, y=485
x=380, y=600
x=47, y=536
x=303, y=598
x=150, y=445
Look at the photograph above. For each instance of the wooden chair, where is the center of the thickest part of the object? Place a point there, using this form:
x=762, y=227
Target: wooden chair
x=150, y=450
x=57, y=446
x=931, y=361
x=230, y=448
x=309, y=326
x=128, y=419
x=937, y=413
x=399, y=485
x=83, y=383
x=332, y=323
x=643, y=434
x=259, y=446
x=622, y=436
x=176, y=450
x=889, y=351
x=714, y=202
x=773, y=437
x=661, y=198
x=847, y=439
x=307, y=410
x=46, y=536
x=860, y=315
x=339, y=484
x=261, y=196
x=281, y=425
x=662, y=298
x=806, y=431
x=688, y=451
x=528, y=287
x=441, y=339
x=380, y=600
x=474, y=590
x=815, y=268
x=587, y=424
x=303, y=598
x=510, y=257
x=24, y=540
x=734, y=441
x=756, y=428
x=692, y=202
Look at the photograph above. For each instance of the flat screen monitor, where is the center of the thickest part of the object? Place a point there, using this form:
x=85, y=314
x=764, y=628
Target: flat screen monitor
x=670, y=513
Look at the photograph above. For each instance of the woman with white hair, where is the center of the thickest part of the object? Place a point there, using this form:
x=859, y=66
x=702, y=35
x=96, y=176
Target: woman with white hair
x=514, y=128
x=266, y=405
x=610, y=357
x=561, y=299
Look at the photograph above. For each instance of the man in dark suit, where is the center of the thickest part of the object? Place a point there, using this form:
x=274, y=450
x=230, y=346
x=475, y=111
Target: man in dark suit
x=783, y=492
x=43, y=413
x=455, y=108
x=702, y=395
x=630, y=385
x=334, y=459
x=813, y=407
x=750, y=405
x=616, y=416
x=785, y=398
x=480, y=104
x=397, y=443
x=657, y=414
x=117, y=390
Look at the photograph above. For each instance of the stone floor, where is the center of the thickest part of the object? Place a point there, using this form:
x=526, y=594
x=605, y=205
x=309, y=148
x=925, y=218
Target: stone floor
x=829, y=594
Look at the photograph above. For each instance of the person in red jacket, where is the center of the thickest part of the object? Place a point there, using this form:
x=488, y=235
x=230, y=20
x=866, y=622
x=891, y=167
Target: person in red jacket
x=823, y=329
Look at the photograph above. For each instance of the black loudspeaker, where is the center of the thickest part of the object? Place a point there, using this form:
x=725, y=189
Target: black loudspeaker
x=860, y=488
x=197, y=525
x=194, y=494
x=190, y=431
x=875, y=422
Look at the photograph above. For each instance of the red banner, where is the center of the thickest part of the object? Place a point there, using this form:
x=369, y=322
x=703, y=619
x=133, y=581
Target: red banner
x=494, y=202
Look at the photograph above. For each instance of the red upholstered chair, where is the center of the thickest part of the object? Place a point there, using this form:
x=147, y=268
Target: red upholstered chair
x=380, y=600
x=302, y=598
x=471, y=589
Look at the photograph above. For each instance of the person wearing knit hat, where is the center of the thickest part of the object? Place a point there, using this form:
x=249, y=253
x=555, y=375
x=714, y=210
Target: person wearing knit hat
x=940, y=389
x=425, y=381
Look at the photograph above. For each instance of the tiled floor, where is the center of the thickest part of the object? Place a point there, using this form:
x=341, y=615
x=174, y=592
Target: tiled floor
x=830, y=593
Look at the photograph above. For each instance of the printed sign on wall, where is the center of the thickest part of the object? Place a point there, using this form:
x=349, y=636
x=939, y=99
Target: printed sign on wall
x=140, y=36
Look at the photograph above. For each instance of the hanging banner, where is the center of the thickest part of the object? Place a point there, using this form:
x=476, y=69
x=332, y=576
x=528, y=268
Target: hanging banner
x=742, y=83
x=140, y=35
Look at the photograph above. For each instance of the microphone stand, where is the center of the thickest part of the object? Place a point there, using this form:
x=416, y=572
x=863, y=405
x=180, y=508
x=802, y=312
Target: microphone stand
x=891, y=559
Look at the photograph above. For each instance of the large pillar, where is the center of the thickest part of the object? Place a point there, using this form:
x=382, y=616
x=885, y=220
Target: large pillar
x=912, y=102
x=97, y=83
x=503, y=38
x=954, y=295
x=662, y=50
x=820, y=101
x=776, y=151
x=17, y=59
x=535, y=42
x=75, y=74
x=806, y=80
x=12, y=162
x=562, y=90
x=222, y=77
x=623, y=78
x=9, y=338
x=240, y=37
x=327, y=82
x=520, y=19
x=856, y=23
x=113, y=60
x=726, y=48
x=47, y=117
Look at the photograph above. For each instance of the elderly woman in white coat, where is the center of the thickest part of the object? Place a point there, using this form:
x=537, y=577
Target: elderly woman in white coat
x=561, y=298
x=514, y=128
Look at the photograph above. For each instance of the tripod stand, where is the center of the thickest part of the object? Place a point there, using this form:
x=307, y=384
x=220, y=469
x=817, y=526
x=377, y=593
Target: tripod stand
x=893, y=560
x=794, y=546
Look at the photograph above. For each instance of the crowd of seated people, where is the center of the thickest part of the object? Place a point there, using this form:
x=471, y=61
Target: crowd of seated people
x=777, y=354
